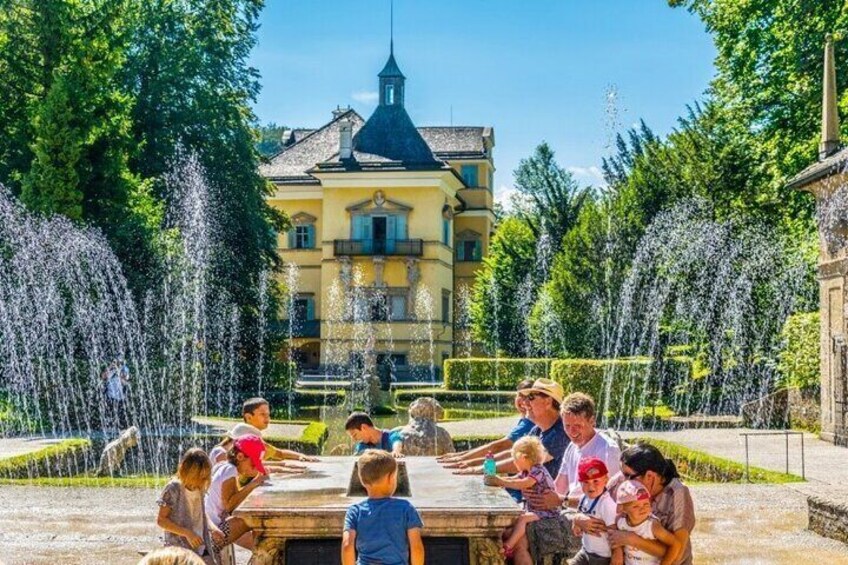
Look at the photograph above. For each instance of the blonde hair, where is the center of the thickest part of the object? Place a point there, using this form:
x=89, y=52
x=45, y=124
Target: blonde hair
x=171, y=555
x=195, y=464
x=374, y=464
x=530, y=447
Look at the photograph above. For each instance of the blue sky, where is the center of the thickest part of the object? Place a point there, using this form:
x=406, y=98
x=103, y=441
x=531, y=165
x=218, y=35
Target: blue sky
x=570, y=72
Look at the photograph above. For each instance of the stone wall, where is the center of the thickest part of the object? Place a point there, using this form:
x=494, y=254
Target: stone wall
x=787, y=407
x=829, y=518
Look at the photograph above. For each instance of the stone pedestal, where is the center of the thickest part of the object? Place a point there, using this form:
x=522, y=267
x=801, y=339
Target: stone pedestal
x=312, y=506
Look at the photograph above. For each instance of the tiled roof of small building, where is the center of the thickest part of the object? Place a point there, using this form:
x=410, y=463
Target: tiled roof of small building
x=825, y=168
x=449, y=142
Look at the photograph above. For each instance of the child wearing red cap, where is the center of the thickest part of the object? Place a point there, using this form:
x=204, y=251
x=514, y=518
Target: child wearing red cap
x=635, y=501
x=596, y=502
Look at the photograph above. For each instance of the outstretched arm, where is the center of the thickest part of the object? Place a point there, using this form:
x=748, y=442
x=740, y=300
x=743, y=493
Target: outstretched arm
x=416, y=546
x=349, y=547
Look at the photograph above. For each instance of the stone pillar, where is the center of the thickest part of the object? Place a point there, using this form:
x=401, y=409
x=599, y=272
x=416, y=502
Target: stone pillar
x=379, y=267
x=413, y=275
x=269, y=551
x=485, y=551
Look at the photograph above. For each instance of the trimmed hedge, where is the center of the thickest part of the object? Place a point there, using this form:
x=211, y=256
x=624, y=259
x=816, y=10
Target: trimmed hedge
x=493, y=374
x=480, y=396
x=67, y=457
x=798, y=359
x=310, y=442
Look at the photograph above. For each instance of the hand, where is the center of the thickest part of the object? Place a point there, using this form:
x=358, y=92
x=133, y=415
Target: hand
x=218, y=537
x=589, y=525
x=194, y=540
x=469, y=471
x=397, y=455
x=456, y=465
x=308, y=459
x=550, y=500
x=617, y=538
x=492, y=481
x=293, y=467
x=258, y=480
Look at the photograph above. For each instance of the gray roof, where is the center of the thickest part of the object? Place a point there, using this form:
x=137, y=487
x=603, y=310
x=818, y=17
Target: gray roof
x=391, y=69
x=417, y=148
x=824, y=168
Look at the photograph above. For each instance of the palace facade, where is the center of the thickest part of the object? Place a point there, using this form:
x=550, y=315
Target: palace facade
x=390, y=224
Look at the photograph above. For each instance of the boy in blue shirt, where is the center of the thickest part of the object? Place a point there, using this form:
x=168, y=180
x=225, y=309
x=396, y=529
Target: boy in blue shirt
x=360, y=428
x=381, y=529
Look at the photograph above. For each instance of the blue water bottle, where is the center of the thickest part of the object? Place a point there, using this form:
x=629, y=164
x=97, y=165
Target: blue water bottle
x=490, y=467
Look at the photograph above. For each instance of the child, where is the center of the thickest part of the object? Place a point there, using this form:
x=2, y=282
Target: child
x=181, y=509
x=360, y=428
x=635, y=502
x=256, y=413
x=381, y=529
x=596, y=502
x=243, y=460
x=529, y=454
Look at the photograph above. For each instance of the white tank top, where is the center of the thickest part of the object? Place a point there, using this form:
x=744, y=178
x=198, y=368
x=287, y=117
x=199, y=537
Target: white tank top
x=633, y=556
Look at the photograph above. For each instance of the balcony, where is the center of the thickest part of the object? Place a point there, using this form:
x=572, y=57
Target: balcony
x=301, y=328
x=414, y=247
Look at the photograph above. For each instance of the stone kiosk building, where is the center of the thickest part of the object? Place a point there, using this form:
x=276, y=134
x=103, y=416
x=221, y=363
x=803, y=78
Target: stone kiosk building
x=391, y=221
x=827, y=180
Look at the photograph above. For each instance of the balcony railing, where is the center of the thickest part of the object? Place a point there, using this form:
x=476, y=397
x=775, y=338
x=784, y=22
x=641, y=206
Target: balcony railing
x=378, y=247
x=301, y=328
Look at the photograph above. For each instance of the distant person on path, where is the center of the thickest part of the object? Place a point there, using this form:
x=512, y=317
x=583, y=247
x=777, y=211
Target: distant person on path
x=381, y=528
x=256, y=413
x=181, y=508
x=638, y=522
x=528, y=454
x=361, y=429
x=116, y=379
x=500, y=447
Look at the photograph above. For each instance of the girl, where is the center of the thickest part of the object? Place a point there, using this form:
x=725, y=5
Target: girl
x=181, y=508
x=244, y=460
x=635, y=503
x=529, y=455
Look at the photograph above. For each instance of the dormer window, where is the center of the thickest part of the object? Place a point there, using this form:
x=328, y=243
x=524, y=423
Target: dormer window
x=390, y=94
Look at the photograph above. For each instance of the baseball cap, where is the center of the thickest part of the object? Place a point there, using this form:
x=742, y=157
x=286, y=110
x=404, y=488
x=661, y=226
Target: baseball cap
x=631, y=491
x=254, y=449
x=546, y=387
x=591, y=468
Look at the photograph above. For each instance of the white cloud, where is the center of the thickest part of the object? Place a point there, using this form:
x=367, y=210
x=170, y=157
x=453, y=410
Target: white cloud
x=588, y=174
x=366, y=96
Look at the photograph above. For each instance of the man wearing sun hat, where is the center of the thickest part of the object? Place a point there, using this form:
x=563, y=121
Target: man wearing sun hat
x=543, y=401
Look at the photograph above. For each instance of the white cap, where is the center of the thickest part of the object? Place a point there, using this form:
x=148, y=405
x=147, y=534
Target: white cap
x=243, y=429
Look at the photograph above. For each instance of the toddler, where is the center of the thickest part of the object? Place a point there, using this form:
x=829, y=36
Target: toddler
x=596, y=502
x=635, y=502
x=528, y=453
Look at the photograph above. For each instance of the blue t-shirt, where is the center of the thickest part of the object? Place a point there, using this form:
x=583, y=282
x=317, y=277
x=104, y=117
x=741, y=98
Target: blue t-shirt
x=521, y=429
x=387, y=440
x=381, y=526
x=555, y=442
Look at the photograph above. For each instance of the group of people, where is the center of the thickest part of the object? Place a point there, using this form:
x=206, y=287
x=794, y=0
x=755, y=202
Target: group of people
x=581, y=494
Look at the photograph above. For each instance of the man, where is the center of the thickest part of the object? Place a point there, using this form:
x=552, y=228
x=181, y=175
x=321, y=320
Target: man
x=361, y=429
x=116, y=377
x=543, y=403
x=256, y=413
x=500, y=448
x=578, y=416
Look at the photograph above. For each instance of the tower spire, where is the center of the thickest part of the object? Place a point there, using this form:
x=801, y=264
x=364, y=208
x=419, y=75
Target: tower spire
x=392, y=27
x=830, y=115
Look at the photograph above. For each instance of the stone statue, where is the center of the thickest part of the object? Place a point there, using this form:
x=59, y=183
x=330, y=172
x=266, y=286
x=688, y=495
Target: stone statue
x=115, y=451
x=421, y=436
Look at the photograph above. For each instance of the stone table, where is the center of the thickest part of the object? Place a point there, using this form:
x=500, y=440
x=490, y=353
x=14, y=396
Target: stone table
x=289, y=512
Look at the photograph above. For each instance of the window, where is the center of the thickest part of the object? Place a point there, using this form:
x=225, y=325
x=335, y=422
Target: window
x=302, y=237
x=390, y=94
x=446, y=307
x=398, y=307
x=446, y=238
x=304, y=309
x=379, y=307
x=469, y=175
x=469, y=250
x=491, y=180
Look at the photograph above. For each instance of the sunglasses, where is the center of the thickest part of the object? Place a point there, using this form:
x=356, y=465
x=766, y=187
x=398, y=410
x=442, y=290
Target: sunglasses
x=632, y=476
x=533, y=395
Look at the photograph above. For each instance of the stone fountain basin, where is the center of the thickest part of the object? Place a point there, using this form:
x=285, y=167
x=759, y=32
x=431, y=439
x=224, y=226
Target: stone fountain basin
x=314, y=504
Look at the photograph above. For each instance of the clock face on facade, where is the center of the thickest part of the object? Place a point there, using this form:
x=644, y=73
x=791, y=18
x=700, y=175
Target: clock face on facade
x=379, y=198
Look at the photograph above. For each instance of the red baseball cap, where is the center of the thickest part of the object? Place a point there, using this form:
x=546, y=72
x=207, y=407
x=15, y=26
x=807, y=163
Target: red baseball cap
x=591, y=468
x=254, y=449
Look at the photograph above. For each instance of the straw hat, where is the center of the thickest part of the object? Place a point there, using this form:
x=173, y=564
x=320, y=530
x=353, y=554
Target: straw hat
x=546, y=387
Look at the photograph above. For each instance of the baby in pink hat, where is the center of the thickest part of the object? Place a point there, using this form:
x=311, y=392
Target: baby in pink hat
x=635, y=503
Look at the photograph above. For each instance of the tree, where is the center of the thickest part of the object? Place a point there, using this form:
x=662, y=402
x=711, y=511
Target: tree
x=496, y=316
x=551, y=198
x=270, y=139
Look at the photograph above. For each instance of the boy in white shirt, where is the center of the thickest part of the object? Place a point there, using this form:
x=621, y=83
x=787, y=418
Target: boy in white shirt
x=596, y=502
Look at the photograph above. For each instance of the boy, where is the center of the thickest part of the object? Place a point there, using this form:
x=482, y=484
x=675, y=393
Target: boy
x=360, y=428
x=596, y=502
x=256, y=413
x=381, y=529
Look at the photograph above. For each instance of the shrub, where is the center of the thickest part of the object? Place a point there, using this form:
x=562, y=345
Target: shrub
x=799, y=357
x=492, y=374
x=68, y=457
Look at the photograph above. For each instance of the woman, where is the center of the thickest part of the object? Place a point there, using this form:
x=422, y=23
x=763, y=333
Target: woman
x=671, y=501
